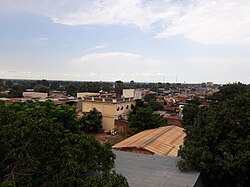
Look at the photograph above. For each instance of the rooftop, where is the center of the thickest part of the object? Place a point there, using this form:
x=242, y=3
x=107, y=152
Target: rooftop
x=153, y=170
x=161, y=141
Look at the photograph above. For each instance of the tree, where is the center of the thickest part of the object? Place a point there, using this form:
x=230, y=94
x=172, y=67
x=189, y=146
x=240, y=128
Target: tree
x=149, y=97
x=37, y=150
x=16, y=91
x=41, y=88
x=144, y=118
x=229, y=91
x=190, y=111
x=71, y=90
x=218, y=142
x=119, y=86
x=91, y=121
x=151, y=102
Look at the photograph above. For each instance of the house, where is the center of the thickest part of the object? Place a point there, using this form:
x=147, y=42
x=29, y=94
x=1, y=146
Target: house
x=154, y=170
x=111, y=109
x=163, y=141
x=38, y=95
x=87, y=94
x=132, y=93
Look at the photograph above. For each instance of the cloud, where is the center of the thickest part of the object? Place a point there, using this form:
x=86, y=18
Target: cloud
x=111, y=56
x=98, y=47
x=121, y=65
x=205, y=21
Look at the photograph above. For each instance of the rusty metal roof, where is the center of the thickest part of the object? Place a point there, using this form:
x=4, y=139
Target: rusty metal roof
x=161, y=141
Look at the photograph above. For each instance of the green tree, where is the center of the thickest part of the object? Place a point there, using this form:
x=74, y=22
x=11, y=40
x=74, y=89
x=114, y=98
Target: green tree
x=91, y=121
x=149, y=97
x=37, y=150
x=119, y=86
x=16, y=91
x=144, y=118
x=190, y=111
x=218, y=142
x=71, y=90
x=41, y=88
x=229, y=91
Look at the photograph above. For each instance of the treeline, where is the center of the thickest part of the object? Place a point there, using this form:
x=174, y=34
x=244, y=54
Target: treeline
x=218, y=137
x=42, y=145
x=16, y=87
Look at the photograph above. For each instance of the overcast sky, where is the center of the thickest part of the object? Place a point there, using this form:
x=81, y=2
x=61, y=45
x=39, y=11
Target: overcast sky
x=140, y=40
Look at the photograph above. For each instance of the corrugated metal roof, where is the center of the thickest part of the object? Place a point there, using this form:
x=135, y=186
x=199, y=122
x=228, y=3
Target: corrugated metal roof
x=161, y=141
x=153, y=170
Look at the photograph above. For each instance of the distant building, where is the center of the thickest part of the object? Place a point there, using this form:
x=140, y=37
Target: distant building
x=87, y=94
x=111, y=109
x=38, y=95
x=132, y=93
x=57, y=94
x=210, y=84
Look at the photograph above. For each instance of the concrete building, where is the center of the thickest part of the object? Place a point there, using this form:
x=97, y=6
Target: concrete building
x=87, y=94
x=132, y=93
x=111, y=109
x=38, y=95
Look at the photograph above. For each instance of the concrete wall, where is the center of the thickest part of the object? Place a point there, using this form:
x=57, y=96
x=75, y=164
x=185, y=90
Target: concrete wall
x=86, y=94
x=110, y=111
x=35, y=95
x=128, y=93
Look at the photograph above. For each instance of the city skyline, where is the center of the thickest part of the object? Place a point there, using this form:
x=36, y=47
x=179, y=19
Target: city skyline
x=145, y=41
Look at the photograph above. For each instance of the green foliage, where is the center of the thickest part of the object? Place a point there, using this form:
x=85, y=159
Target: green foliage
x=71, y=90
x=189, y=114
x=144, y=118
x=155, y=105
x=91, y=121
x=119, y=86
x=39, y=147
x=149, y=97
x=16, y=91
x=41, y=88
x=218, y=141
x=229, y=91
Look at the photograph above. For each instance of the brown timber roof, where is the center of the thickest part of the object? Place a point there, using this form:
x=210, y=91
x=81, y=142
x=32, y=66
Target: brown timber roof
x=161, y=141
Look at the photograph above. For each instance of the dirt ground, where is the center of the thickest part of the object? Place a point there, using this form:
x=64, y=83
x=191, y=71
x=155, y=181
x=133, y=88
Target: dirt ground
x=102, y=138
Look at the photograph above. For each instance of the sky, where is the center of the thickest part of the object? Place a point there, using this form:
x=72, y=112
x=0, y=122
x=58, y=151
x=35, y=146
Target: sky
x=185, y=41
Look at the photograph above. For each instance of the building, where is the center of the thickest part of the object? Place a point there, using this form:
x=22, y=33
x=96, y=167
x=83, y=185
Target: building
x=163, y=141
x=87, y=94
x=132, y=93
x=38, y=95
x=154, y=171
x=111, y=109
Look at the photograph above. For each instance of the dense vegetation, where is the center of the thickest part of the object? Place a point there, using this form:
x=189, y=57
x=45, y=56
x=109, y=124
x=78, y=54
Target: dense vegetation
x=143, y=118
x=91, y=121
x=218, y=137
x=41, y=145
x=16, y=87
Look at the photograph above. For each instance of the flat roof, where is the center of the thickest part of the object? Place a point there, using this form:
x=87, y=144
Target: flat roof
x=153, y=170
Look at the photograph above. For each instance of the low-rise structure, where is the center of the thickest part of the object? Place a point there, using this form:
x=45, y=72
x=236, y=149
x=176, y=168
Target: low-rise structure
x=38, y=95
x=132, y=93
x=87, y=94
x=111, y=109
x=163, y=141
